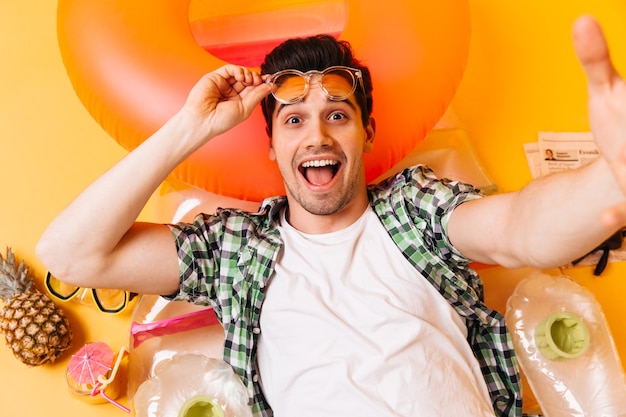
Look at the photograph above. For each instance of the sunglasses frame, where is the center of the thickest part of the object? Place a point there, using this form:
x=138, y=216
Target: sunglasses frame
x=356, y=74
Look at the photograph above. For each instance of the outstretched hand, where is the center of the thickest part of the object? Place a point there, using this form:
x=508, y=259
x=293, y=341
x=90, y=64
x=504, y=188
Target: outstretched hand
x=607, y=105
x=224, y=98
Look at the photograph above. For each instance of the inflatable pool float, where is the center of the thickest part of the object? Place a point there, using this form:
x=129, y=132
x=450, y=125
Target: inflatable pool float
x=135, y=61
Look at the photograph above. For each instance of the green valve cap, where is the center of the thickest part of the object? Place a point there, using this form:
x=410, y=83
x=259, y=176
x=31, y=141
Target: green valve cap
x=201, y=406
x=562, y=336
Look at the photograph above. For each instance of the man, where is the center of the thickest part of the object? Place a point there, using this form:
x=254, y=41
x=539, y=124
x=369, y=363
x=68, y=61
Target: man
x=323, y=314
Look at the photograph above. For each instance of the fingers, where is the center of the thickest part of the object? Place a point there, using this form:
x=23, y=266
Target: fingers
x=239, y=76
x=593, y=53
x=247, y=77
x=247, y=84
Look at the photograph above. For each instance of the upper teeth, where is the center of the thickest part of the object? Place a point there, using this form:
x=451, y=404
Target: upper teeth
x=318, y=163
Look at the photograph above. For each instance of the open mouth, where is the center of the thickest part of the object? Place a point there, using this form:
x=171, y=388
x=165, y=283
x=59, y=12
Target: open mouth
x=320, y=171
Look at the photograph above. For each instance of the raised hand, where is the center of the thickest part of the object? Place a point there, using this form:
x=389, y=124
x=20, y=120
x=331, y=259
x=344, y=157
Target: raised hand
x=224, y=98
x=607, y=104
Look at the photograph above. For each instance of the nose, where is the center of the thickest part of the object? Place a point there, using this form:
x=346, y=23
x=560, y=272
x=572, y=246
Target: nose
x=318, y=129
x=318, y=135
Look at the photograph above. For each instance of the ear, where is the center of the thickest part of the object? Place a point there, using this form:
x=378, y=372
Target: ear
x=370, y=133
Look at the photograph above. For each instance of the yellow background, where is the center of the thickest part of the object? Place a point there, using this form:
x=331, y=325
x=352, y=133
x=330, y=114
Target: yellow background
x=522, y=77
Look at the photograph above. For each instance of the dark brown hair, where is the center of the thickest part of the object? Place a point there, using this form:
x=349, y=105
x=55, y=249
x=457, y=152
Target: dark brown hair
x=315, y=53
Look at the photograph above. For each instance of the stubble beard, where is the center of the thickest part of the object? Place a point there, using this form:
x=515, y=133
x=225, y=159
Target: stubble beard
x=328, y=203
x=325, y=205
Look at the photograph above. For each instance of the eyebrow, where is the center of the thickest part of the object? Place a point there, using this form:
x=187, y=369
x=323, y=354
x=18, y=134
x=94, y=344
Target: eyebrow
x=345, y=100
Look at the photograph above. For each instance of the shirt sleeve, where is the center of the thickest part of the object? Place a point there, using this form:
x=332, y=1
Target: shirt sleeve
x=434, y=201
x=198, y=247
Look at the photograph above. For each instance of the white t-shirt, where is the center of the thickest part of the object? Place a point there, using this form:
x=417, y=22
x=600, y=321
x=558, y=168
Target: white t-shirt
x=350, y=328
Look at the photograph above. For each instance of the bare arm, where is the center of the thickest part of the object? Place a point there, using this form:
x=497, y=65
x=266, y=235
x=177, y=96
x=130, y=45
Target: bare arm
x=556, y=219
x=550, y=222
x=96, y=242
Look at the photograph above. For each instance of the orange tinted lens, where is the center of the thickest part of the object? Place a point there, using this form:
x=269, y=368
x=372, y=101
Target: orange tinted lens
x=289, y=87
x=339, y=84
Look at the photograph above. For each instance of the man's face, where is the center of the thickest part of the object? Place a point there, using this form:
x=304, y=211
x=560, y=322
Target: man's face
x=318, y=145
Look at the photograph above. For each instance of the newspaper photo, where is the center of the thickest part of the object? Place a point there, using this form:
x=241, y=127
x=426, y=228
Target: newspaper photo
x=560, y=151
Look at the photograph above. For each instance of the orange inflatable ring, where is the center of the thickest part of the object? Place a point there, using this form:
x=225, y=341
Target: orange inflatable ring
x=132, y=64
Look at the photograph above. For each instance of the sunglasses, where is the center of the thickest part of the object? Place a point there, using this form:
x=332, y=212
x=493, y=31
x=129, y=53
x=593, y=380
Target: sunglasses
x=107, y=300
x=338, y=83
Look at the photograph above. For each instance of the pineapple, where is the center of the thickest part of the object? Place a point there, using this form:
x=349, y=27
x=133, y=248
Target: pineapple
x=35, y=329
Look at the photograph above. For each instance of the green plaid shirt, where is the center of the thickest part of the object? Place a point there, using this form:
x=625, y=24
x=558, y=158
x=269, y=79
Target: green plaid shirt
x=227, y=260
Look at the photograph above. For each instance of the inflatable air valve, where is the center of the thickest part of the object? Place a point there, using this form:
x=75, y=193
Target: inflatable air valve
x=562, y=336
x=565, y=348
x=192, y=385
x=200, y=406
